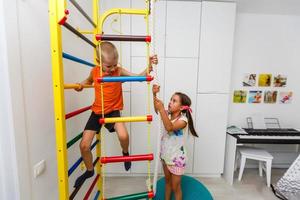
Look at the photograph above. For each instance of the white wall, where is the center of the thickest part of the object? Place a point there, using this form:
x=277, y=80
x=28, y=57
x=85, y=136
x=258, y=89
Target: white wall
x=15, y=172
x=9, y=182
x=267, y=41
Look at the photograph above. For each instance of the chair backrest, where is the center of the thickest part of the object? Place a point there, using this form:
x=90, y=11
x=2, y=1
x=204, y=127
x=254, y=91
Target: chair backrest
x=270, y=122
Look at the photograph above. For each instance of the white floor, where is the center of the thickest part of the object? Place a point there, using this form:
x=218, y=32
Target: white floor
x=252, y=186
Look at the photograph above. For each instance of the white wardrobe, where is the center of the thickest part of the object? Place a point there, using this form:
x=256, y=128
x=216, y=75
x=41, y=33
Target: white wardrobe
x=194, y=41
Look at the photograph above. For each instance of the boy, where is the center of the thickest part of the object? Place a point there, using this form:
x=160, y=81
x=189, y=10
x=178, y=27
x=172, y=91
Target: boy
x=113, y=103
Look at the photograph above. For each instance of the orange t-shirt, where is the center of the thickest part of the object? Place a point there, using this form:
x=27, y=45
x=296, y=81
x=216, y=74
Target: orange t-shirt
x=112, y=93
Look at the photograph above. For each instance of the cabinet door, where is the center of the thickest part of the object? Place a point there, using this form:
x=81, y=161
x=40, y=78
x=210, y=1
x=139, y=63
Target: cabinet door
x=181, y=76
x=139, y=27
x=211, y=123
x=182, y=29
x=216, y=42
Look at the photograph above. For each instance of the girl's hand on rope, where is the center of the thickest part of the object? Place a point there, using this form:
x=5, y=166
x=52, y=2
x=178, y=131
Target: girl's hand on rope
x=158, y=104
x=79, y=88
x=155, y=89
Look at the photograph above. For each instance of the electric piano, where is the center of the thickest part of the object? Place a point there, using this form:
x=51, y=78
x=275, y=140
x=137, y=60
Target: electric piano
x=255, y=136
x=269, y=136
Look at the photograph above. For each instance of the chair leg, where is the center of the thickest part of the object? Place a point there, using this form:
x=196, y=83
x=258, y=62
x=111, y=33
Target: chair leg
x=242, y=166
x=237, y=157
x=260, y=167
x=268, y=172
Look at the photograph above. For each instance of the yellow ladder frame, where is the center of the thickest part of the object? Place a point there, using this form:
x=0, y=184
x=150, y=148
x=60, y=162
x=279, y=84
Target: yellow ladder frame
x=56, y=13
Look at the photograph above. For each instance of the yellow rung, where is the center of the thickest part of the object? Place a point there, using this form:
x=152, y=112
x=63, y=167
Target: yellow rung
x=85, y=31
x=75, y=86
x=126, y=119
x=121, y=11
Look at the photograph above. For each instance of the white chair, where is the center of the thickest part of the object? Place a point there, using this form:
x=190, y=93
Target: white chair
x=261, y=155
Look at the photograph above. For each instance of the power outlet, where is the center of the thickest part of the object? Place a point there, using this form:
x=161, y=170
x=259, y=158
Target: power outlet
x=39, y=168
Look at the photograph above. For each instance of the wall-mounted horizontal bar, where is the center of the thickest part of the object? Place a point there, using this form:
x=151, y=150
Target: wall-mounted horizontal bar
x=73, y=30
x=85, y=31
x=115, y=159
x=77, y=112
x=74, y=140
x=129, y=38
x=125, y=119
x=75, y=191
x=79, y=60
x=124, y=79
x=82, y=12
x=97, y=195
x=121, y=11
x=77, y=163
x=142, y=195
x=74, y=86
x=88, y=193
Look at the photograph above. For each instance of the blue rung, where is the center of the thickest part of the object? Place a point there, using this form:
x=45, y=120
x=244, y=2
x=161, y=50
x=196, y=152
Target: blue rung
x=124, y=78
x=77, y=163
x=75, y=59
x=97, y=195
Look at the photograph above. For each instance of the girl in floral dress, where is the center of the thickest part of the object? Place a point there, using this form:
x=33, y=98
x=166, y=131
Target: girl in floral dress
x=173, y=154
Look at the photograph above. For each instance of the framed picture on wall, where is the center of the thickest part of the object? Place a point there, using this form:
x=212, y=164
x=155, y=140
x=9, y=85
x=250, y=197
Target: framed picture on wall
x=264, y=80
x=239, y=96
x=249, y=80
x=285, y=97
x=270, y=96
x=279, y=80
x=255, y=96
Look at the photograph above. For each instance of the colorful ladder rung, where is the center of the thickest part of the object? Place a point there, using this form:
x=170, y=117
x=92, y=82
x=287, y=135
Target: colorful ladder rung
x=129, y=38
x=125, y=119
x=74, y=86
x=77, y=112
x=115, y=159
x=125, y=79
x=136, y=196
x=78, y=60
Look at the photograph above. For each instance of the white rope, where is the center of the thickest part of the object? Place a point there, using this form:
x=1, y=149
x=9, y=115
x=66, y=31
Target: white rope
x=156, y=81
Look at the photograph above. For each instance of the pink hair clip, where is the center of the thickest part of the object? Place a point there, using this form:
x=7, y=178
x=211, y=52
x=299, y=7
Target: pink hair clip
x=187, y=108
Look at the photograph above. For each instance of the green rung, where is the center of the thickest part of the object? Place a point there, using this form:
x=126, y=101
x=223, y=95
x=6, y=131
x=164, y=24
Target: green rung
x=74, y=140
x=142, y=195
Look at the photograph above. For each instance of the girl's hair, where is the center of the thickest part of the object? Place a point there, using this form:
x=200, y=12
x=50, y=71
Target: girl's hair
x=108, y=49
x=186, y=101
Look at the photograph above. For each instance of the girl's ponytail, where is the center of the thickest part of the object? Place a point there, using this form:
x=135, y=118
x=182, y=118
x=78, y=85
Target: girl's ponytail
x=186, y=101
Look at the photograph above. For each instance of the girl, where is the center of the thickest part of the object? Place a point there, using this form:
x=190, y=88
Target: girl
x=173, y=154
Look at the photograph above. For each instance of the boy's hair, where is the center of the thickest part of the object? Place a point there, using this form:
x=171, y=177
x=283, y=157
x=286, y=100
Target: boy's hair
x=186, y=101
x=109, y=53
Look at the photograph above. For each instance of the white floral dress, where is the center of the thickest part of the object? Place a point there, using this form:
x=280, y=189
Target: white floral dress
x=172, y=151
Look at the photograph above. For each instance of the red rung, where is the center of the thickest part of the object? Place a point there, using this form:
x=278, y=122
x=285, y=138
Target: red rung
x=76, y=112
x=87, y=195
x=115, y=159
